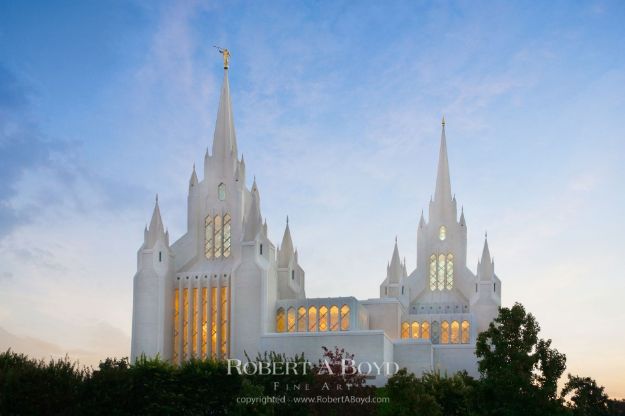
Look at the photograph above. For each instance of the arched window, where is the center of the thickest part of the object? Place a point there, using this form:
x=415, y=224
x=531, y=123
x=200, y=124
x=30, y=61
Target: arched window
x=291, y=320
x=224, y=321
x=435, y=331
x=455, y=332
x=344, y=318
x=415, y=329
x=312, y=319
x=334, y=318
x=280, y=320
x=208, y=237
x=194, y=316
x=425, y=330
x=227, y=235
x=176, y=324
x=204, y=350
x=218, y=236
x=445, y=332
x=323, y=318
x=441, y=272
x=405, y=330
x=450, y=272
x=442, y=233
x=433, y=272
x=185, y=323
x=301, y=319
x=214, y=322
x=465, y=332
x=221, y=191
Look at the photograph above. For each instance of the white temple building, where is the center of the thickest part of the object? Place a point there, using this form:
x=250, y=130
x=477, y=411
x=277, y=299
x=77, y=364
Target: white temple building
x=224, y=289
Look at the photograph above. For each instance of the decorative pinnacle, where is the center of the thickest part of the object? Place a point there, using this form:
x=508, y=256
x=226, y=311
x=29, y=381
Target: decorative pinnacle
x=486, y=234
x=287, y=220
x=443, y=122
x=157, y=198
x=226, y=53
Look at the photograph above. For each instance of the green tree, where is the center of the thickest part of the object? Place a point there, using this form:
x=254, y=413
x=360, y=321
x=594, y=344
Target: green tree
x=587, y=398
x=519, y=371
x=408, y=396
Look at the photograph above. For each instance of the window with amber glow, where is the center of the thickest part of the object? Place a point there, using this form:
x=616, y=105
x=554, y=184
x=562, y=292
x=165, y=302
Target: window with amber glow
x=445, y=332
x=204, y=322
x=185, y=322
x=455, y=332
x=312, y=319
x=465, y=332
x=224, y=322
x=449, y=284
x=345, y=318
x=176, y=325
x=425, y=330
x=433, y=272
x=301, y=319
x=415, y=329
x=227, y=235
x=214, y=322
x=194, y=323
x=208, y=237
x=405, y=330
x=280, y=320
x=323, y=319
x=291, y=320
x=218, y=242
x=334, y=318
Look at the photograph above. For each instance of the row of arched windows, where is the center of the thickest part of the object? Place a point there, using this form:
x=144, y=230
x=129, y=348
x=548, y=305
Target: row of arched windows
x=218, y=236
x=456, y=333
x=313, y=319
x=441, y=272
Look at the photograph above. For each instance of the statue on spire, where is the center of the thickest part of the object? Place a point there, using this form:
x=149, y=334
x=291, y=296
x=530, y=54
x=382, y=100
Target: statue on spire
x=226, y=53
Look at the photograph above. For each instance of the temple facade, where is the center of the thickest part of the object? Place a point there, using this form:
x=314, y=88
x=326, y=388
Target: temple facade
x=223, y=289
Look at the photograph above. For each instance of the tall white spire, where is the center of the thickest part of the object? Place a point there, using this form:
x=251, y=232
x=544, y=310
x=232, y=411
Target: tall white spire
x=286, y=248
x=156, y=229
x=443, y=182
x=395, y=269
x=224, y=139
x=486, y=266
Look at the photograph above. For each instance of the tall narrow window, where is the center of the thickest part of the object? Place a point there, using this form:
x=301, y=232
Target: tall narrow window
x=455, y=332
x=208, y=237
x=301, y=319
x=449, y=283
x=433, y=272
x=435, y=332
x=442, y=233
x=176, y=324
x=334, y=318
x=214, y=322
x=312, y=319
x=323, y=318
x=445, y=332
x=185, y=323
x=465, y=332
x=345, y=318
x=204, y=322
x=194, y=323
x=415, y=329
x=227, y=235
x=221, y=191
x=425, y=330
x=291, y=320
x=280, y=318
x=405, y=330
x=218, y=236
x=224, y=322
x=441, y=272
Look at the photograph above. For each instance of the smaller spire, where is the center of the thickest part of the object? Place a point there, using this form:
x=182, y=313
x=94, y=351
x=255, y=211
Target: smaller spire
x=156, y=228
x=193, y=180
x=395, y=269
x=286, y=248
x=421, y=220
x=462, y=220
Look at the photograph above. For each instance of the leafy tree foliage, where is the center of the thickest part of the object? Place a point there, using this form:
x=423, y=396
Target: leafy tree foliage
x=588, y=399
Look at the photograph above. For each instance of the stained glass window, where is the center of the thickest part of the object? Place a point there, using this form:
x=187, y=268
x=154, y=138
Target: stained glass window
x=435, y=332
x=405, y=330
x=185, y=322
x=334, y=318
x=442, y=233
x=224, y=322
x=194, y=322
x=445, y=332
x=449, y=283
x=312, y=319
x=204, y=321
x=208, y=237
x=425, y=330
x=301, y=319
x=227, y=235
x=433, y=272
x=323, y=318
x=214, y=322
x=218, y=236
x=455, y=332
x=176, y=324
x=441, y=272
x=415, y=329
x=291, y=320
x=465, y=332
x=221, y=191
x=280, y=318
x=344, y=318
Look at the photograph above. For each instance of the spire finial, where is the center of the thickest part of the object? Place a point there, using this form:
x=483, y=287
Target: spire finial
x=395, y=239
x=443, y=122
x=226, y=53
x=287, y=220
x=157, y=197
x=486, y=235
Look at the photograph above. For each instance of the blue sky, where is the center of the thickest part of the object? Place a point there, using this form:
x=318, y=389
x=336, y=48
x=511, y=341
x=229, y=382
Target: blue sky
x=337, y=107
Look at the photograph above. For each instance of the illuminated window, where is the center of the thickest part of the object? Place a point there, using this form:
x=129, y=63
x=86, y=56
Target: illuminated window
x=176, y=324
x=224, y=322
x=425, y=330
x=323, y=318
x=185, y=322
x=301, y=319
x=449, y=284
x=221, y=191
x=194, y=323
x=218, y=236
x=204, y=322
x=291, y=320
x=405, y=330
x=227, y=235
x=344, y=318
x=435, y=332
x=312, y=319
x=465, y=332
x=433, y=272
x=415, y=329
x=441, y=272
x=208, y=237
x=214, y=322
x=442, y=233
x=334, y=318
x=445, y=332
x=455, y=332
x=280, y=320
